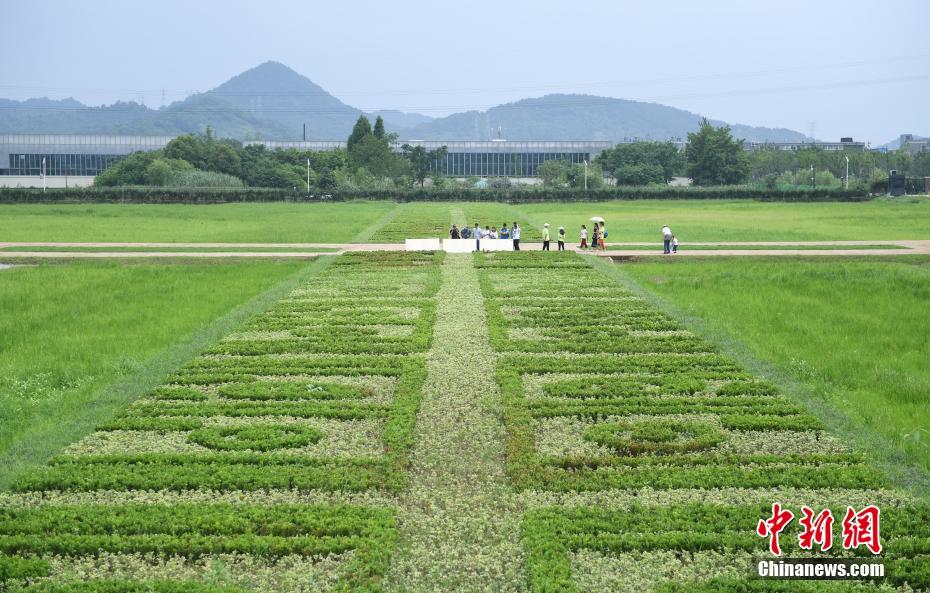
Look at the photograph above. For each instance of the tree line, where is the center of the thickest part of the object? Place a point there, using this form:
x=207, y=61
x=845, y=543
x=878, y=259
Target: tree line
x=712, y=157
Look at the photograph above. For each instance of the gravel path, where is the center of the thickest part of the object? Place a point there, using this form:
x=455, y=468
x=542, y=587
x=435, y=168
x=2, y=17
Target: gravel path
x=242, y=249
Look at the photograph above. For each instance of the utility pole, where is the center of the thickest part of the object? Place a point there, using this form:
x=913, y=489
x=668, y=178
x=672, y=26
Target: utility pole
x=586, y=175
x=813, y=182
x=847, y=170
x=308, y=177
x=43, y=174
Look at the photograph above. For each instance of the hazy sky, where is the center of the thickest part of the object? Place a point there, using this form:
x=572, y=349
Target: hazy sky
x=832, y=68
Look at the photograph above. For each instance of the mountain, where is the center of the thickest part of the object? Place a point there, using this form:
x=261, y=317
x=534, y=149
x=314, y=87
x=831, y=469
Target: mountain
x=581, y=117
x=67, y=116
x=272, y=92
x=273, y=102
x=399, y=121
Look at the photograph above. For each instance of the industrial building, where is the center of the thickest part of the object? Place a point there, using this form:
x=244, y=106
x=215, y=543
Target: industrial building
x=69, y=154
x=483, y=158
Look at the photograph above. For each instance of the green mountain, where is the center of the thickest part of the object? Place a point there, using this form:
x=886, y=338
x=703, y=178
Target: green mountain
x=273, y=102
x=581, y=117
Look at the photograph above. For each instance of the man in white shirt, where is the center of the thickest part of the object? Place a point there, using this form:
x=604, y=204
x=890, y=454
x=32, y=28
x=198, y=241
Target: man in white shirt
x=667, y=239
x=515, y=232
x=477, y=235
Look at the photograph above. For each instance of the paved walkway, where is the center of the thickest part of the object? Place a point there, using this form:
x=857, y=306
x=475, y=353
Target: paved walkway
x=736, y=248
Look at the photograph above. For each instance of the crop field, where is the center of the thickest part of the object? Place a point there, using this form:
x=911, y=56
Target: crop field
x=854, y=330
x=341, y=222
x=511, y=422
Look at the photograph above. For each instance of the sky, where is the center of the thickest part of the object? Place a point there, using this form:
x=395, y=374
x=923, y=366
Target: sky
x=822, y=67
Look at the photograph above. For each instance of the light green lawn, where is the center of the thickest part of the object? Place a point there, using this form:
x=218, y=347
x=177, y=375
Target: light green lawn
x=856, y=331
x=68, y=331
x=713, y=220
x=274, y=222
x=339, y=222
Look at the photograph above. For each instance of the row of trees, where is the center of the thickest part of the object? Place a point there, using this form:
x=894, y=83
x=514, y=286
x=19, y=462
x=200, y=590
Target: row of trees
x=712, y=157
x=367, y=161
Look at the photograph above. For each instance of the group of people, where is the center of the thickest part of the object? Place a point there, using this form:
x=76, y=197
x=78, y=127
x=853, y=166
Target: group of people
x=598, y=236
x=488, y=232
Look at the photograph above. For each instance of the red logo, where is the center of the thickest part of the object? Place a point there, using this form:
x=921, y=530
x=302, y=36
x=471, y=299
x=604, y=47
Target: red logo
x=859, y=529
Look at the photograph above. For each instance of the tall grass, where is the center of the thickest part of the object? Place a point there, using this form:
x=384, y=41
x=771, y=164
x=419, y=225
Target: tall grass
x=856, y=331
x=68, y=331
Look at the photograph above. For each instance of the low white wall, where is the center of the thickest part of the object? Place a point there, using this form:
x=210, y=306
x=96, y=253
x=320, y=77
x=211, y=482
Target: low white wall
x=497, y=245
x=458, y=245
x=56, y=181
x=422, y=245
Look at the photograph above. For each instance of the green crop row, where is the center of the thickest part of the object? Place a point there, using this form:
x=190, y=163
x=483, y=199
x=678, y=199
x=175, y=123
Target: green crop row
x=552, y=534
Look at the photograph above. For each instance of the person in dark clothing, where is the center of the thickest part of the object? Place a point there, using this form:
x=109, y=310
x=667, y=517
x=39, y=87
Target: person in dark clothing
x=454, y=233
x=561, y=238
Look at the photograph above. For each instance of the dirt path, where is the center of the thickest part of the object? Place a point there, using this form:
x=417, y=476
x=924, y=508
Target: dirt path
x=737, y=248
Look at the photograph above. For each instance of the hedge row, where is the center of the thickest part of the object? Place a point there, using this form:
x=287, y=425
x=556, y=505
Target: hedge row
x=517, y=195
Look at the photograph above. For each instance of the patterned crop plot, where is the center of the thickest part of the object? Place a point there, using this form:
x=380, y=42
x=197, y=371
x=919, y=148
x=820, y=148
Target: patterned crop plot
x=269, y=463
x=646, y=458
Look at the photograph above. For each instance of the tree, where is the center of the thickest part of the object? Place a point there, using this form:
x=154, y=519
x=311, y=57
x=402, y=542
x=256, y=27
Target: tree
x=158, y=173
x=575, y=176
x=665, y=155
x=375, y=155
x=326, y=180
x=714, y=157
x=639, y=174
x=223, y=158
x=187, y=148
x=379, y=128
x=362, y=128
x=552, y=173
x=421, y=160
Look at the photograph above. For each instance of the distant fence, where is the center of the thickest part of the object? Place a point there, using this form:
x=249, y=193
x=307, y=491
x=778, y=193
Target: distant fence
x=522, y=195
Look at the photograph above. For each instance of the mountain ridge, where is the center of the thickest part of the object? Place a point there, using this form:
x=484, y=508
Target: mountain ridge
x=271, y=101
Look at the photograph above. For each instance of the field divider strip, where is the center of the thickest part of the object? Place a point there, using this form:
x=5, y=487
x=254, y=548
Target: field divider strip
x=460, y=521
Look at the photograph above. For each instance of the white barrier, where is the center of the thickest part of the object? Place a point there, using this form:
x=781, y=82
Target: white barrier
x=422, y=245
x=458, y=245
x=497, y=245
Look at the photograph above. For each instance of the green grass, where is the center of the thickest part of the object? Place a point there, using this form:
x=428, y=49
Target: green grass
x=854, y=331
x=712, y=220
x=658, y=247
x=69, y=331
x=340, y=222
x=274, y=222
x=87, y=249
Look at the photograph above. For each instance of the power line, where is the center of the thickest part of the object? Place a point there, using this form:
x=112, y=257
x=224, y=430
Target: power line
x=522, y=104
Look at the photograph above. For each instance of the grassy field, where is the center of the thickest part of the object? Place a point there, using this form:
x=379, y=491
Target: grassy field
x=276, y=222
x=658, y=247
x=692, y=220
x=90, y=249
x=712, y=220
x=856, y=331
x=68, y=331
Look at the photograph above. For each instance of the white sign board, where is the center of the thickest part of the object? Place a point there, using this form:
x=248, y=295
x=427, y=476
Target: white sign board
x=422, y=245
x=458, y=245
x=497, y=245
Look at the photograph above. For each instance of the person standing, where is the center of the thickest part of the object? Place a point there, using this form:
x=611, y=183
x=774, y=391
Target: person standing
x=466, y=232
x=504, y=232
x=666, y=240
x=584, y=237
x=476, y=233
x=674, y=244
x=493, y=234
x=454, y=232
x=545, y=237
x=602, y=236
x=515, y=233
x=561, y=238
x=594, y=236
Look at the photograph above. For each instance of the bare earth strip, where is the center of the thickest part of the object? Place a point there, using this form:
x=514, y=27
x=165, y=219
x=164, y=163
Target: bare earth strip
x=778, y=248
x=460, y=519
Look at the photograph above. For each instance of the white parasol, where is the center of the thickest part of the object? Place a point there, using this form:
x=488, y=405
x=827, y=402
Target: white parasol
x=597, y=219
